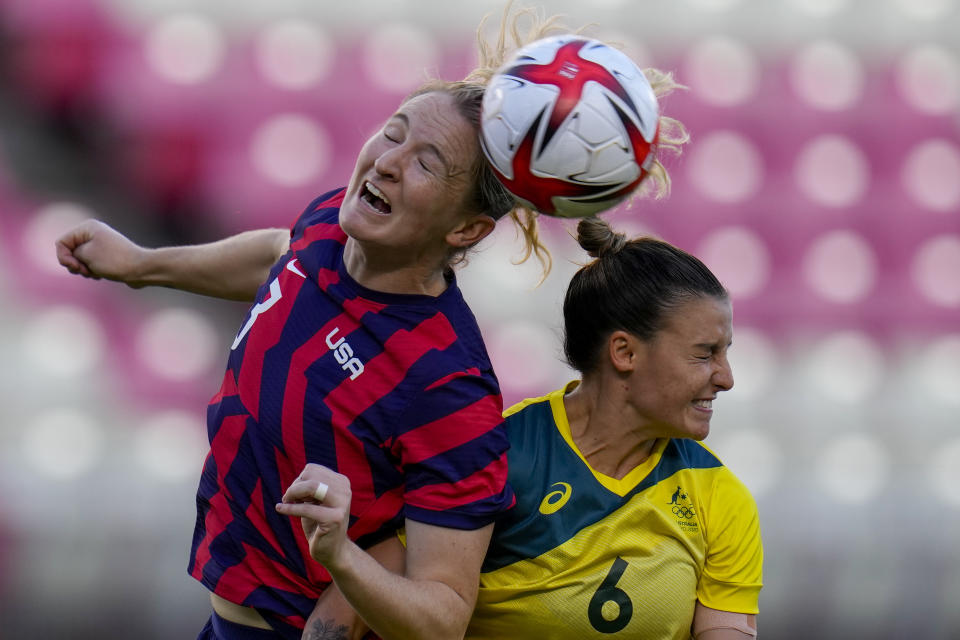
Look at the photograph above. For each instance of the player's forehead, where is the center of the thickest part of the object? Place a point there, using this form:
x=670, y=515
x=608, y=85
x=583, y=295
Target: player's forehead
x=433, y=118
x=700, y=320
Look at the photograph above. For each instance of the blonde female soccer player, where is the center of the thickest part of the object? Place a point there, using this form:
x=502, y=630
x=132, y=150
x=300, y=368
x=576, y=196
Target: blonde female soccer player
x=360, y=356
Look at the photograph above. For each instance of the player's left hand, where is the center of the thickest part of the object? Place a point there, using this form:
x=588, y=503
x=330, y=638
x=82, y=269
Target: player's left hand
x=320, y=497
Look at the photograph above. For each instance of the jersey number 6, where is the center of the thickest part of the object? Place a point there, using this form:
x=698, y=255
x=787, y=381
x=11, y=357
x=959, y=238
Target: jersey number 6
x=610, y=592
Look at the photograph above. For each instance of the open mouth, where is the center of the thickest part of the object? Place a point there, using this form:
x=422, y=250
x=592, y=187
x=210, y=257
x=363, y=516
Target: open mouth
x=703, y=404
x=375, y=198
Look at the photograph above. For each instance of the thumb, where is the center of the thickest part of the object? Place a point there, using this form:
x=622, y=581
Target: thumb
x=68, y=254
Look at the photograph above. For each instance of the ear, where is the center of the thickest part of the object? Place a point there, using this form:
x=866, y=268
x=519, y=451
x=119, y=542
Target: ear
x=624, y=351
x=470, y=231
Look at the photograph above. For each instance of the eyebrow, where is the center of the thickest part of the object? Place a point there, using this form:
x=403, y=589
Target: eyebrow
x=431, y=147
x=712, y=345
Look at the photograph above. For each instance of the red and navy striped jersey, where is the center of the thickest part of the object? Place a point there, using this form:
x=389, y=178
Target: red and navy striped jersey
x=394, y=391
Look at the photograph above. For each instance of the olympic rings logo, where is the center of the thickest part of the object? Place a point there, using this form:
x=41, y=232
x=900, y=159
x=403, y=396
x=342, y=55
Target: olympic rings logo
x=683, y=512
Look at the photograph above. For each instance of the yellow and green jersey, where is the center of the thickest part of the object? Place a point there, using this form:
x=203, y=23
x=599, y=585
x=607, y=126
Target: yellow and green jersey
x=584, y=555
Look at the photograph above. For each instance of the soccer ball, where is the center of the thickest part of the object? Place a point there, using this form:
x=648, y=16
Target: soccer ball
x=569, y=125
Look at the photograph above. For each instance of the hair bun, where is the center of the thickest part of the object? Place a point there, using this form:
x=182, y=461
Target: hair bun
x=598, y=238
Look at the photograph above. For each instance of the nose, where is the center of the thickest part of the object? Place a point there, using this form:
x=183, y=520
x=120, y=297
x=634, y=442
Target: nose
x=388, y=163
x=723, y=374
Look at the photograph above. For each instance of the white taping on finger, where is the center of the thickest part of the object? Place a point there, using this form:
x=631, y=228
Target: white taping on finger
x=321, y=492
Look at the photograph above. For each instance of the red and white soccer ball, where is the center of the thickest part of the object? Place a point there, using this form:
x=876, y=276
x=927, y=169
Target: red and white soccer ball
x=570, y=125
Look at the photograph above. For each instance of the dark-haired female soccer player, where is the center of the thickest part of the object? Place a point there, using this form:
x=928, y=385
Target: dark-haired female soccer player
x=625, y=523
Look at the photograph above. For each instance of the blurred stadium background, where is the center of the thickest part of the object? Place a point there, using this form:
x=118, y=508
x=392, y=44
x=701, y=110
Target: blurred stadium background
x=822, y=185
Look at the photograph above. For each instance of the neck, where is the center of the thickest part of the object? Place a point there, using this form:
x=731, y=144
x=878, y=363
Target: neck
x=605, y=430
x=376, y=269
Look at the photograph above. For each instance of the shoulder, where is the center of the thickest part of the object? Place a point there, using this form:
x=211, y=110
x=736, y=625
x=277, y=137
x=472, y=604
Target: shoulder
x=328, y=203
x=531, y=416
x=728, y=507
x=462, y=319
x=683, y=453
x=324, y=209
x=720, y=480
x=531, y=427
x=733, y=571
x=725, y=480
x=721, y=496
x=443, y=383
x=520, y=409
x=452, y=328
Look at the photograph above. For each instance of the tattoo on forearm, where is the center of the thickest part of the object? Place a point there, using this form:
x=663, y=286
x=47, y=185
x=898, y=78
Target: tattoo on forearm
x=326, y=630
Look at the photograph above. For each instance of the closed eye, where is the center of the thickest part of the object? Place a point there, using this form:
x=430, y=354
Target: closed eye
x=394, y=131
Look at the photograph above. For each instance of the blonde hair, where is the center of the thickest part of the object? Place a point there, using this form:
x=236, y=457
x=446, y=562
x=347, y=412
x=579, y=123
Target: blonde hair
x=490, y=57
x=518, y=28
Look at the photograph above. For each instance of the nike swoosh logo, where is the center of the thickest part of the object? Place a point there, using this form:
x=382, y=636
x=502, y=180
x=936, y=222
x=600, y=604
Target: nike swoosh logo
x=292, y=266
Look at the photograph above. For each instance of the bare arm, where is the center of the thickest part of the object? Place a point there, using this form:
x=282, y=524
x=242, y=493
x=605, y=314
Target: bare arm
x=333, y=618
x=713, y=624
x=435, y=596
x=232, y=268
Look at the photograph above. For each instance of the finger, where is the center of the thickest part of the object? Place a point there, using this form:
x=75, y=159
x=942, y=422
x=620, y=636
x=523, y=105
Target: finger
x=320, y=514
x=78, y=236
x=312, y=469
x=66, y=258
x=321, y=491
x=83, y=251
x=302, y=490
x=334, y=492
x=73, y=262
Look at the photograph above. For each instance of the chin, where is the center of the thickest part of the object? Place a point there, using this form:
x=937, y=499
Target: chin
x=699, y=432
x=349, y=218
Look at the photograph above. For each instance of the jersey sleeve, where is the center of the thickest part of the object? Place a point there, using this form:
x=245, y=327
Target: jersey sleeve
x=452, y=445
x=733, y=566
